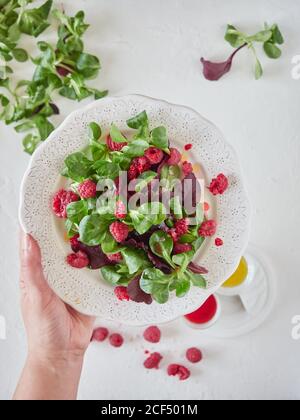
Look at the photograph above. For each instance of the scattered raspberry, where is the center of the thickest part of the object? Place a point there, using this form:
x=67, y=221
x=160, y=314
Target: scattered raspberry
x=87, y=189
x=181, y=248
x=74, y=241
x=100, y=334
x=206, y=206
x=133, y=173
x=219, y=242
x=194, y=355
x=152, y=334
x=188, y=147
x=187, y=168
x=119, y=231
x=116, y=340
x=153, y=361
x=172, y=232
x=61, y=200
x=114, y=146
x=154, y=155
x=121, y=293
x=219, y=185
x=182, y=226
x=175, y=156
x=115, y=257
x=179, y=370
x=120, y=212
x=142, y=164
x=208, y=228
x=78, y=260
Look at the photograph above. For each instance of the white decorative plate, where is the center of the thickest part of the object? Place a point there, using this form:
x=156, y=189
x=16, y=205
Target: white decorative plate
x=84, y=289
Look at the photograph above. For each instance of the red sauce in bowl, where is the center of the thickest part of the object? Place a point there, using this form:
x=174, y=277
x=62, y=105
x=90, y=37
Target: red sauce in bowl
x=205, y=313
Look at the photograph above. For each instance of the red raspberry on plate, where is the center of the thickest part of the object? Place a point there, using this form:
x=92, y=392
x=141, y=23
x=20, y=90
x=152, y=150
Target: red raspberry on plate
x=121, y=293
x=120, y=212
x=182, y=226
x=87, y=189
x=114, y=146
x=116, y=340
x=181, y=248
x=152, y=334
x=188, y=147
x=142, y=164
x=74, y=241
x=153, y=361
x=208, y=228
x=115, y=257
x=182, y=372
x=119, y=231
x=187, y=168
x=219, y=185
x=100, y=334
x=78, y=260
x=154, y=155
x=133, y=172
x=219, y=242
x=175, y=156
x=61, y=200
x=194, y=355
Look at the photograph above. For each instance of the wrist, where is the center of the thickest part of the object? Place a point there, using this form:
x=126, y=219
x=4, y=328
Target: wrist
x=56, y=361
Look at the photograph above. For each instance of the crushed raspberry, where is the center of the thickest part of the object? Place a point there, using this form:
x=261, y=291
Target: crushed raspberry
x=219, y=185
x=61, y=200
x=121, y=293
x=187, y=168
x=188, y=147
x=100, y=334
x=120, y=212
x=219, y=242
x=172, y=232
x=154, y=155
x=74, y=241
x=181, y=248
x=115, y=257
x=78, y=260
x=175, y=156
x=208, y=228
x=114, y=146
x=133, y=172
x=206, y=206
x=142, y=164
x=153, y=361
x=119, y=231
x=182, y=372
x=87, y=189
x=116, y=340
x=194, y=355
x=152, y=334
x=182, y=226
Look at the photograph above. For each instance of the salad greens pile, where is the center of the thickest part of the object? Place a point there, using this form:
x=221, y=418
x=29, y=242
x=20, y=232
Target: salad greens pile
x=63, y=68
x=147, y=253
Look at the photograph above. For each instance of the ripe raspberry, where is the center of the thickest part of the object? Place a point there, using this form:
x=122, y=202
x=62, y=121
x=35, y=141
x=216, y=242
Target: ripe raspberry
x=133, y=172
x=219, y=185
x=188, y=147
x=179, y=370
x=61, y=200
x=194, y=355
x=119, y=231
x=114, y=146
x=182, y=226
x=116, y=340
x=154, y=155
x=152, y=362
x=87, y=189
x=187, y=168
x=121, y=293
x=115, y=257
x=152, y=334
x=120, y=212
x=181, y=248
x=100, y=334
x=78, y=260
x=173, y=234
x=208, y=228
x=117, y=185
x=175, y=156
x=219, y=242
x=142, y=164
x=74, y=241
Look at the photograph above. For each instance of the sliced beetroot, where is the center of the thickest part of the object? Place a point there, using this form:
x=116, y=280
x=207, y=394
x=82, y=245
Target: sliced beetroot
x=97, y=258
x=197, y=269
x=136, y=293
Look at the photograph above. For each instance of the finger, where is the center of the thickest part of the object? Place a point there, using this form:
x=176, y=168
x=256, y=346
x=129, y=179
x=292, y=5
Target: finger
x=31, y=275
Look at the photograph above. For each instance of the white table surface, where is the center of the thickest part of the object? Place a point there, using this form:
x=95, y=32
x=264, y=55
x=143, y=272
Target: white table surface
x=153, y=48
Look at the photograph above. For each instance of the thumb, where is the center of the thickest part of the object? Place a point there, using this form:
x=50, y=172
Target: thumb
x=31, y=276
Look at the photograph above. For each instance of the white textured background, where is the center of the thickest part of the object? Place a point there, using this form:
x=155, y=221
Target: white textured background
x=153, y=48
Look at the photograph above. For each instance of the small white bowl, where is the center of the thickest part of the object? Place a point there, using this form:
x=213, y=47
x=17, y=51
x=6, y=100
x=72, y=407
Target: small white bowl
x=209, y=323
